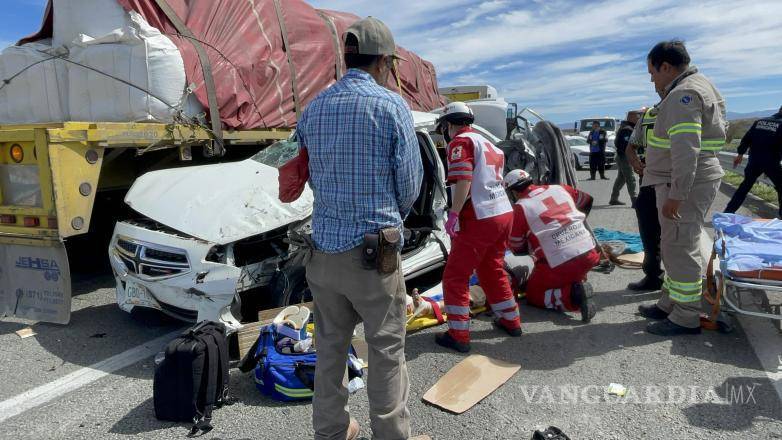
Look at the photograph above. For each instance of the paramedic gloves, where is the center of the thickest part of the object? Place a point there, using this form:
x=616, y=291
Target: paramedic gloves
x=452, y=224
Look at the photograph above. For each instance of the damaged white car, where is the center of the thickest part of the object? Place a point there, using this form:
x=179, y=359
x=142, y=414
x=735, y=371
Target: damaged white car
x=210, y=241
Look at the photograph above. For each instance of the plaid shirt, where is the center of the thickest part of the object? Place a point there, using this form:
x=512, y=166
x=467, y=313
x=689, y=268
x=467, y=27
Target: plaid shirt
x=364, y=161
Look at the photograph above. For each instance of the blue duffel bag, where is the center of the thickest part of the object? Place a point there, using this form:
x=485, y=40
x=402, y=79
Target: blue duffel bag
x=286, y=376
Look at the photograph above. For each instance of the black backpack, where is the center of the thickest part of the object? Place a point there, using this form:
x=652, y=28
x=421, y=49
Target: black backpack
x=192, y=379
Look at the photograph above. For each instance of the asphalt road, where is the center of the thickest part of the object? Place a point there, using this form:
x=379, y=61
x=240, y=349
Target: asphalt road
x=713, y=386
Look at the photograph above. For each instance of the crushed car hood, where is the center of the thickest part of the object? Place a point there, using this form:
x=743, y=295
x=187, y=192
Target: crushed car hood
x=219, y=203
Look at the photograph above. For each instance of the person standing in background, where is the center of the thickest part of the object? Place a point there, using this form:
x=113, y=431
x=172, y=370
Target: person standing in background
x=625, y=174
x=597, y=139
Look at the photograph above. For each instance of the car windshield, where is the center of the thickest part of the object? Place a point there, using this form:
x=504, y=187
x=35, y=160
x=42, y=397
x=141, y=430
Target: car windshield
x=605, y=124
x=576, y=141
x=277, y=154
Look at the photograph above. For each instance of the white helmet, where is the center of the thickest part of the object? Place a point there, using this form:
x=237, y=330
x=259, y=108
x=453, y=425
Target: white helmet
x=458, y=113
x=517, y=180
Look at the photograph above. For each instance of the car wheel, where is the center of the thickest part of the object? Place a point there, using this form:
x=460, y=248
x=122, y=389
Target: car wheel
x=289, y=286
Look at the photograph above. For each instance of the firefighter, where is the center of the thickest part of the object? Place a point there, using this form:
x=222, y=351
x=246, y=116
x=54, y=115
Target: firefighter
x=479, y=224
x=682, y=164
x=646, y=206
x=549, y=223
x=764, y=140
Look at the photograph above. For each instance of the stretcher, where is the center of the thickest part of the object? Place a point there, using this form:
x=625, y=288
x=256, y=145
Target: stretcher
x=746, y=256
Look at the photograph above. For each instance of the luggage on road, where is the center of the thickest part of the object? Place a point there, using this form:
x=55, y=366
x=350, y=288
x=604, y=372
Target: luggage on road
x=192, y=379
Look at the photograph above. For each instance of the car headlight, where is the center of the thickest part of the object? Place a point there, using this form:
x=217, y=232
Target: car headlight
x=217, y=254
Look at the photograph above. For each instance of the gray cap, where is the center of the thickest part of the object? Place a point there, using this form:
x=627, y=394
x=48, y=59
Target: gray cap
x=374, y=38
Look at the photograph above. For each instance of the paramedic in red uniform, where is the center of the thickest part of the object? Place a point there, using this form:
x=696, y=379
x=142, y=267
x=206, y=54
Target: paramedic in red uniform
x=549, y=222
x=479, y=224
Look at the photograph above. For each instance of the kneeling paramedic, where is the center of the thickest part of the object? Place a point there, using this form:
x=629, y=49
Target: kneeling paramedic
x=549, y=222
x=479, y=224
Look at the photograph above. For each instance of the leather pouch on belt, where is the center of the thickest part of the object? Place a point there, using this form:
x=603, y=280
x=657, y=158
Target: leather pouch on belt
x=388, y=257
x=370, y=251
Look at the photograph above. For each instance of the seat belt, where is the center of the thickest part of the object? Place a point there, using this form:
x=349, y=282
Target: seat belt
x=206, y=68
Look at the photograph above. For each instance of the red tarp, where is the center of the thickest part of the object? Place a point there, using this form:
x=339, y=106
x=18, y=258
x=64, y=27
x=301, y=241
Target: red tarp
x=244, y=42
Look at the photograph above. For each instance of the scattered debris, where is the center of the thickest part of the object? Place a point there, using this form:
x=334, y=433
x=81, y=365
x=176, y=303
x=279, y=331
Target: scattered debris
x=708, y=344
x=25, y=332
x=469, y=382
x=617, y=389
x=99, y=335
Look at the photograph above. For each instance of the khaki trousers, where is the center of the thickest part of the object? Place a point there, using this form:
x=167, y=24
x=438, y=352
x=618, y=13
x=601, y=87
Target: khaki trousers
x=681, y=252
x=345, y=294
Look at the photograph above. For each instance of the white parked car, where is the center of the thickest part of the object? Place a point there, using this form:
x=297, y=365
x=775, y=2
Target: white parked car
x=210, y=241
x=580, y=149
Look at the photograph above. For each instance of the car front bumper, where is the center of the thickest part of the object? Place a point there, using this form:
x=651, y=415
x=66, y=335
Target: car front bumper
x=198, y=290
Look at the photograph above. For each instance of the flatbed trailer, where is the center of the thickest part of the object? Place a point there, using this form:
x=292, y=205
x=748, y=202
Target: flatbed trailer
x=50, y=177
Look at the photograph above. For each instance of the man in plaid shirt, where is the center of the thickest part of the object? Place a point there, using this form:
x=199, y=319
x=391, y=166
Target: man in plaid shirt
x=365, y=171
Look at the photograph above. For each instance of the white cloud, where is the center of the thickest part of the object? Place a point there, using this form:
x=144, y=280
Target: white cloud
x=568, y=56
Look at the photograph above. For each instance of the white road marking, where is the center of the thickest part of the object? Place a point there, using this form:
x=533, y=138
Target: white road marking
x=73, y=381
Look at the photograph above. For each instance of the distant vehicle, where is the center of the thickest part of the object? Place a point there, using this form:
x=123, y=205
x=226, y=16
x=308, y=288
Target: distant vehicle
x=609, y=124
x=580, y=148
x=468, y=93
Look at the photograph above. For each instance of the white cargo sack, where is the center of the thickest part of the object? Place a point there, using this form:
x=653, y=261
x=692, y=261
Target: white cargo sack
x=38, y=94
x=93, y=18
x=138, y=54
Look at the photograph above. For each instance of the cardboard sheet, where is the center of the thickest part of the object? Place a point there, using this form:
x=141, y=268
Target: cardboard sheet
x=636, y=258
x=469, y=382
x=249, y=332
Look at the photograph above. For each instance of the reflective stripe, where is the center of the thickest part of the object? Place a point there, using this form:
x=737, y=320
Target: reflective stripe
x=458, y=325
x=457, y=310
x=292, y=392
x=460, y=173
x=504, y=305
x=683, y=292
x=508, y=316
x=460, y=165
x=685, y=130
x=654, y=141
x=517, y=239
x=685, y=126
x=712, y=144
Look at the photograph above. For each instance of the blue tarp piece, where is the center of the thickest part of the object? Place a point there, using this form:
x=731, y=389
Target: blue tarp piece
x=749, y=244
x=632, y=241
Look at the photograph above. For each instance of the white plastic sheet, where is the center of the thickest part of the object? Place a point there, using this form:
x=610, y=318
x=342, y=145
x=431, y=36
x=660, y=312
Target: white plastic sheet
x=93, y=18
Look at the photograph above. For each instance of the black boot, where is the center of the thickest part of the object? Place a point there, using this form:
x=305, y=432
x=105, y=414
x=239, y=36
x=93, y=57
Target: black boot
x=651, y=311
x=669, y=328
x=615, y=202
x=581, y=295
x=646, y=284
x=445, y=339
x=513, y=332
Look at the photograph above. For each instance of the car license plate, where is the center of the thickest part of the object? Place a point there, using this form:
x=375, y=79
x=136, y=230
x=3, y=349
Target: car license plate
x=136, y=294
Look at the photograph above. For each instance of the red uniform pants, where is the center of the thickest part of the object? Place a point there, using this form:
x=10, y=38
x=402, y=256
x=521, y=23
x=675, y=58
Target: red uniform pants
x=480, y=246
x=549, y=287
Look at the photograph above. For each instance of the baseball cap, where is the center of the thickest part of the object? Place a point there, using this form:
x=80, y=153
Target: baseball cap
x=374, y=38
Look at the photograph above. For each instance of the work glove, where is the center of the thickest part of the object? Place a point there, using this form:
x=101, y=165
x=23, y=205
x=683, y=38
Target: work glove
x=452, y=224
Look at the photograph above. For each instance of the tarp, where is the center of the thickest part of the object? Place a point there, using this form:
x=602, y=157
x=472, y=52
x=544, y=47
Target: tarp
x=253, y=69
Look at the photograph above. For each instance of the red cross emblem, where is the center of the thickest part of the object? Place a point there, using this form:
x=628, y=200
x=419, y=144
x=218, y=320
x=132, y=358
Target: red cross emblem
x=555, y=212
x=494, y=160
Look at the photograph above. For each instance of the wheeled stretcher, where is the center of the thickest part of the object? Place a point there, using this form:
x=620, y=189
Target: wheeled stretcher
x=746, y=256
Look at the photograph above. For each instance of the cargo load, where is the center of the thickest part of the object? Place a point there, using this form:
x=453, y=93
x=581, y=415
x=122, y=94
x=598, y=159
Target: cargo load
x=268, y=59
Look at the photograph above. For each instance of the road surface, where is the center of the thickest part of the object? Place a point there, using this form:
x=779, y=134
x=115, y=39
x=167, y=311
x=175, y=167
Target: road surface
x=92, y=379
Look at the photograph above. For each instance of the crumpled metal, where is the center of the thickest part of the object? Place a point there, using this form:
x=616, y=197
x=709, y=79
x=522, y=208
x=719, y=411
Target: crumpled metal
x=304, y=245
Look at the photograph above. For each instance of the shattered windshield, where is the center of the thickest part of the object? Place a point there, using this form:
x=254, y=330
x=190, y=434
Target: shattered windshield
x=277, y=154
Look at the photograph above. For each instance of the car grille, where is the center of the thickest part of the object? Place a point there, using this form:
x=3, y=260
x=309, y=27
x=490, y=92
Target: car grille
x=150, y=260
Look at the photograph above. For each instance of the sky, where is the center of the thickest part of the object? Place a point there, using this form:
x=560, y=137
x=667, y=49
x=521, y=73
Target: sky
x=567, y=59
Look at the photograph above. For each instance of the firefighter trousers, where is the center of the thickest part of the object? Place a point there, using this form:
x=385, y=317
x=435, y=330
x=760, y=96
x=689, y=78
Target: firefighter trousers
x=480, y=246
x=549, y=287
x=681, y=252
